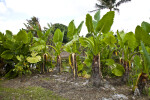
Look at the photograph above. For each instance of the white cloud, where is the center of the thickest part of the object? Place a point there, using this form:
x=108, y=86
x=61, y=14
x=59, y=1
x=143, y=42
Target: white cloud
x=3, y=8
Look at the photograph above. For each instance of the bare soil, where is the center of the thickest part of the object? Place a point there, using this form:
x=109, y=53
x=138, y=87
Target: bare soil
x=80, y=89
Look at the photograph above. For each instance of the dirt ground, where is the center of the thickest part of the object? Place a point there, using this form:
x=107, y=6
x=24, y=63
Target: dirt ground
x=80, y=89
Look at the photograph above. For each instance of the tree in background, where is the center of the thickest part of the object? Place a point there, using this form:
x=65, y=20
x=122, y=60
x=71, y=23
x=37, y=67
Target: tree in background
x=63, y=28
x=33, y=25
x=109, y=4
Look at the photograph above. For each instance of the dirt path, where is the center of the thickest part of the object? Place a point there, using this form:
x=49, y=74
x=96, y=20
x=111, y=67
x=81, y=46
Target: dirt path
x=80, y=89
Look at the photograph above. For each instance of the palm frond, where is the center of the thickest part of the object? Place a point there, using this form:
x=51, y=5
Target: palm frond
x=100, y=6
x=121, y=1
x=116, y=9
x=94, y=10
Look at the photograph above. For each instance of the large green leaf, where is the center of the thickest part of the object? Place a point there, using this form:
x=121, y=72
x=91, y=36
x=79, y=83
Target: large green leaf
x=110, y=62
x=7, y=54
x=9, y=44
x=120, y=41
x=34, y=58
x=37, y=47
x=118, y=70
x=130, y=40
x=80, y=27
x=97, y=15
x=88, y=60
x=58, y=36
x=87, y=42
x=110, y=40
x=8, y=34
x=106, y=22
x=1, y=36
x=47, y=34
x=70, y=43
x=68, y=49
x=147, y=58
x=75, y=47
x=22, y=36
x=71, y=30
x=146, y=26
x=137, y=62
x=30, y=36
x=58, y=46
x=142, y=35
x=89, y=23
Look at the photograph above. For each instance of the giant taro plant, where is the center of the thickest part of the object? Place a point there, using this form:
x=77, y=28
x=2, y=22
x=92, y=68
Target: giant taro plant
x=73, y=47
x=96, y=28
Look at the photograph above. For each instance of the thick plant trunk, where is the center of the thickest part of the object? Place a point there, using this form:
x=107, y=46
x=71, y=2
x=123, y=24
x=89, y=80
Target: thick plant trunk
x=43, y=68
x=96, y=74
x=74, y=63
x=58, y=65
x=125, y=77
x=71, y=64
x=142, y=82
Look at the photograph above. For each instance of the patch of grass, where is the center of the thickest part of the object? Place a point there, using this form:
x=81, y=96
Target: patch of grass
x=28, y=93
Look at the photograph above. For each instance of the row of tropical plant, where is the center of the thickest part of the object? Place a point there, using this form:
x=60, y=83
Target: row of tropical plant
x=125, y=55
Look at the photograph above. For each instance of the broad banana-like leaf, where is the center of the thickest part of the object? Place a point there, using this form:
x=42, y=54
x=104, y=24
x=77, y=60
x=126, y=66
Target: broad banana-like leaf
x=7, y=54
x=58, y=46
x=70, y=43
x=8, y=34
x=110, y=40
x=142, y=35
x=97, y=16
x=22, y=36
x=47, y=34
x=120, y=39
x=75, y=47
x=80, y=27
x=1, y=36
x=94, y=24
x=137, y=62
x=68, y=49
x=34, y=58
x=146, y=26
x=30, y=36
x=89, y=58
x=38, y=41
x=37, y=47
x=87, y=42
x=58, y=36
x=147, y=58
x=106, y=22
x=71, y=30
x=130, y=40
x=110, y=62
x=118, y=70
x=89, y=23
x=9, y=44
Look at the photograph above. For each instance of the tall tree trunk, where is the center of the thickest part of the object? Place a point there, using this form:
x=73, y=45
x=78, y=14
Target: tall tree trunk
x=96, y=75
x=58, y=65
x=43, y=68
x=74, y=63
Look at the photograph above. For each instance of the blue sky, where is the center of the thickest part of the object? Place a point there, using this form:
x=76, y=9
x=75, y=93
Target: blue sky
x=13, y=13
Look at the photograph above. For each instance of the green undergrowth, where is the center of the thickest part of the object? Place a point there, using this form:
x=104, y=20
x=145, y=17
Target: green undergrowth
x=27, y=93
